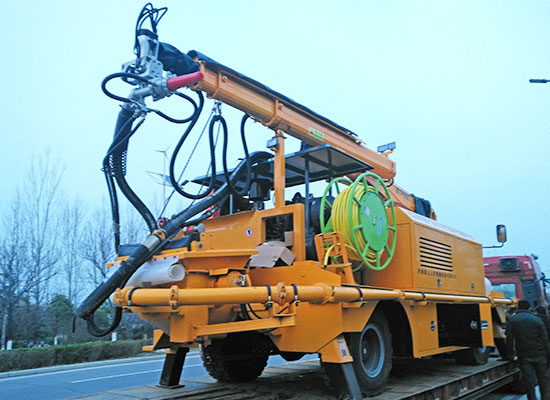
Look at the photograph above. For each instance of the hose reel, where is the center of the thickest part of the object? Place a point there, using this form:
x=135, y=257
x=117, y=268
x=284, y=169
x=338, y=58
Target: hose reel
x=366, y=221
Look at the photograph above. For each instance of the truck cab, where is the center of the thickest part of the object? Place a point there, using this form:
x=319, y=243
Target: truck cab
x=517, y=276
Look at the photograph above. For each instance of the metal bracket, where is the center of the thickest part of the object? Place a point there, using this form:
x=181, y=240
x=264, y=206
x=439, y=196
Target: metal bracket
x=174, y=295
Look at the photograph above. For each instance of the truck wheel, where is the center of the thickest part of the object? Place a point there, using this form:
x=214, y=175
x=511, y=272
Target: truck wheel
x=239, y=357
x=291, y=355
x=372, y=350
x=473, y=355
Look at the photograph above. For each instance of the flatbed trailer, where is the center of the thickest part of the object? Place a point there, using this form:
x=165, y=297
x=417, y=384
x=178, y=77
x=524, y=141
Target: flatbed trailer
x=430, y=378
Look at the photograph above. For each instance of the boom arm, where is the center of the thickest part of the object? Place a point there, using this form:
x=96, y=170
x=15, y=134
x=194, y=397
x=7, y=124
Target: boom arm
x=278, y=112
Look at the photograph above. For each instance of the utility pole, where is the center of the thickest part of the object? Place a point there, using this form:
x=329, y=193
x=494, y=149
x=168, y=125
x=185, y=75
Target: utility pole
x=4, y=328
x=5, y=317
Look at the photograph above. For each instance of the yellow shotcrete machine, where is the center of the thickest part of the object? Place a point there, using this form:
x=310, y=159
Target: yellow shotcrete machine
x=358, y=274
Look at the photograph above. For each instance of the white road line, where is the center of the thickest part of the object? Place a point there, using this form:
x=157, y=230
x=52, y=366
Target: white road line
x=77, y=369
x=128, y=374
x=116, y=376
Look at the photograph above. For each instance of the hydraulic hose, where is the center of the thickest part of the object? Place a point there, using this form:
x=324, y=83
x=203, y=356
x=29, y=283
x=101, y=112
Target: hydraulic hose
x=123, y=75
x=232, y=187
x=115, y=163
x=154, y=243
x=179, y=219
x=173, y=180
x=113, y=199
x=111, y=188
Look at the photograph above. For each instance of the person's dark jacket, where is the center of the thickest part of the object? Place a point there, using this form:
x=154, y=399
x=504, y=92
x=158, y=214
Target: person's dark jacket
x=528, y=333
x=546, y=323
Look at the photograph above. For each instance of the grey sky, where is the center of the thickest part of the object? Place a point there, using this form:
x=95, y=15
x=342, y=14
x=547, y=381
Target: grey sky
x=446, y=80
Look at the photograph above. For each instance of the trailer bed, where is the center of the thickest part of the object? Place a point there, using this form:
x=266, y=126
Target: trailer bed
x=410, y=379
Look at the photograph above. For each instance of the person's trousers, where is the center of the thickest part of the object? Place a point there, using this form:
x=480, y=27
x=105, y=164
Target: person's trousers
x=533, y=373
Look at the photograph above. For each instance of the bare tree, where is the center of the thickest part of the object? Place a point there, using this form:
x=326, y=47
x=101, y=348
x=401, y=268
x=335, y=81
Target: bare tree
x=40, y=198
x=71, y=223
x=96, y=245
x=15, y=282
x=133, y=230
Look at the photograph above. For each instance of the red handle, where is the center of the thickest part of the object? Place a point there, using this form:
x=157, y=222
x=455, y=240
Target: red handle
x=184, y=80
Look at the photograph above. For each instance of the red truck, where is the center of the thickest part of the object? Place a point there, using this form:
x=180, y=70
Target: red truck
x=518, y=276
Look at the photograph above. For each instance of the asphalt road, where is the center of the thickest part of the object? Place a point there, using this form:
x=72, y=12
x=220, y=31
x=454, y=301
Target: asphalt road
x=92, y=378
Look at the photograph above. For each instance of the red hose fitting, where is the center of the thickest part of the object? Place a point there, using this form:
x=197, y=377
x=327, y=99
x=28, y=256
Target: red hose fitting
x=184, y=80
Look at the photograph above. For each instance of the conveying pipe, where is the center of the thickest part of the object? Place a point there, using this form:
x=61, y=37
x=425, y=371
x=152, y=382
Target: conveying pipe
x=281, y=294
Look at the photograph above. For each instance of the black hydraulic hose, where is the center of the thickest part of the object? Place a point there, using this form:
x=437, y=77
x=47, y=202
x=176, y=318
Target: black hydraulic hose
x=245, y=149
x=180, y=219
x=96, y=331
x=174, y=120
x=205, y=215
x=232, y=187
x=152, y=245
x=124, y=75
x=114, y=207
x=135, y=200
x=173, y=180
x=116, y=158
x=111, y=188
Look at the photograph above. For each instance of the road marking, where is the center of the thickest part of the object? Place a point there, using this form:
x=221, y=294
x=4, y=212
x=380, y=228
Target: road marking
x=77, y=369
x=127, y=374
x=116, y=376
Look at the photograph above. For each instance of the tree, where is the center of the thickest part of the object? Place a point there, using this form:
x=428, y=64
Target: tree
x=40, y=200
x=132, y=228
x=71, y=222
x=28, y=238
x=61, y=314
x=15, y=281
x=96, y=245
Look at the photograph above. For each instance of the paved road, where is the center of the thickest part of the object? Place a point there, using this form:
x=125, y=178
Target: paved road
x=93, y=378
x=82, y=379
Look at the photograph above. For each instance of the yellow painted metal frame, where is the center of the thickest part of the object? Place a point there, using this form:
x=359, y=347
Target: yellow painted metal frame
x=307, y=317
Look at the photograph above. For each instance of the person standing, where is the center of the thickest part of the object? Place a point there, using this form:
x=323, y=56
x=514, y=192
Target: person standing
x=540, y=312
x=528, y=333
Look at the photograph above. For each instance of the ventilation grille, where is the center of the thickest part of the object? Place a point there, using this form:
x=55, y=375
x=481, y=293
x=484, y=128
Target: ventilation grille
x=435, y=255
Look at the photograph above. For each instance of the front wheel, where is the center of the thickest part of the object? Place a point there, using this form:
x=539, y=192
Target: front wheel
x=372, y=350
x=239, y=357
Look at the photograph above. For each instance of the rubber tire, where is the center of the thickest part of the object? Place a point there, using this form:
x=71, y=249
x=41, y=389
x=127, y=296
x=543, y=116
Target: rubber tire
x=291, y=355
x=377, y=331
x=473, y=356
x=235, y=358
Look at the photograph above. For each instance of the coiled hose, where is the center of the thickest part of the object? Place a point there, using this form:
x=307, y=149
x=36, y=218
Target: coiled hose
x=341, y=223
x=365, y=220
